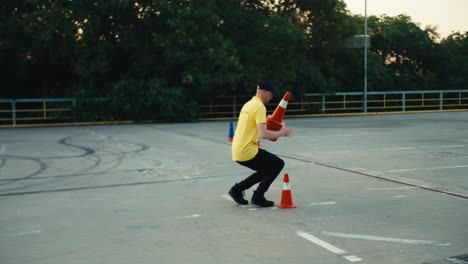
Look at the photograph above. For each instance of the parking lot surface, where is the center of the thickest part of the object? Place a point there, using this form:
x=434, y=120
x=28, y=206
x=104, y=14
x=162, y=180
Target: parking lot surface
x=368, y=189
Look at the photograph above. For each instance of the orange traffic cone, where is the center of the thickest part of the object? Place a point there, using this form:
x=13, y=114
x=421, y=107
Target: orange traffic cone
x=286, y=196
x=231, y=132
x=275, y=121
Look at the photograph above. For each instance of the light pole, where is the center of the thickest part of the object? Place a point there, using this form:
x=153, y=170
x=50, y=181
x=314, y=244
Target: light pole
x=365, y=58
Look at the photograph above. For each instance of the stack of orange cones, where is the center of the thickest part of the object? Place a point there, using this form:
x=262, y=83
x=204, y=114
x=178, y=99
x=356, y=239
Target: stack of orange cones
x=231, y=132
x=275, y=121
x=286, y=196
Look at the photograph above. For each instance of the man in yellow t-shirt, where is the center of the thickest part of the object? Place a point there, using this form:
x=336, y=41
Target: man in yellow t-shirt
x=251, y=126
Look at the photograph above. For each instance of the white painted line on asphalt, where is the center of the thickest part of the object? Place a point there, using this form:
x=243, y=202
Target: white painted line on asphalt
x=402, y=148
x=344, y=151
x=323, y=203
x=328, y=247
x=399, y=196
x=386, y=239
x=251, y=207
x=393, y=188
x=227, y=197
x=453, y=146
x=188, y=216
x=431, y=168
x=423, y=147
x=29, y=233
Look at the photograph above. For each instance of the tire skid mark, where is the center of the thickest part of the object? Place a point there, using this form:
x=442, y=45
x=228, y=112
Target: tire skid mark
x=42, y=167
x=143, y=147
x=2, y=161
x=108, y=186
x=115, y=150
x=97, y=161
x=94, y=158
x=71, y=175
x=87, y=151
x=116, y=161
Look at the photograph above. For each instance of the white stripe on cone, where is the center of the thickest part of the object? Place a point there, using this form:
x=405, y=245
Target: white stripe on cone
x=283, y=103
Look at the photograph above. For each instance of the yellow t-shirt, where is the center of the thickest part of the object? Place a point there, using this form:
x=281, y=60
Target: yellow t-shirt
x=244, y=144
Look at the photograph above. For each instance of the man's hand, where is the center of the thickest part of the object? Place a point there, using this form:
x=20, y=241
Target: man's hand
x=273, y=135
x=287, y=131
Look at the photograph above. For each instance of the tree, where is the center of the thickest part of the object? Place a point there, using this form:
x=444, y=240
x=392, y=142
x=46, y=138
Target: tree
x=408, y=52
x=195, y=48
x=327, y=26
x=37, y=44
x=456, y=46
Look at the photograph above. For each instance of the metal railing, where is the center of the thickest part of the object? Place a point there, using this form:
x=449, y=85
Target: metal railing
x=346, y=103
x=15, y=112
x=42, y=110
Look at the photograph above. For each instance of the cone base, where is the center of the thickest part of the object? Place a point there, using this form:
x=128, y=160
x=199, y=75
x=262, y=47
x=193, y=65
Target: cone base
x=287, y=206
x=286, y=197
x=273, y=124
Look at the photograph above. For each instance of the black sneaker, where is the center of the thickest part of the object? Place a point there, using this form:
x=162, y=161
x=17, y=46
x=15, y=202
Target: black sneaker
x=238, y=195
x=259, y=200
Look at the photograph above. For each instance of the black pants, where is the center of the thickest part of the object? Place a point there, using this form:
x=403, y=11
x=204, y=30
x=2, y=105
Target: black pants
x=266, y=165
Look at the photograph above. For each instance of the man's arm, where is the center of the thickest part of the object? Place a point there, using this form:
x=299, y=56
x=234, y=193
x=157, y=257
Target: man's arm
x=271, y=135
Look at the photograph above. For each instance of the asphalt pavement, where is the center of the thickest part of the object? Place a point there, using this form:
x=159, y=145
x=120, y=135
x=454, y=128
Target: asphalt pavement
x=375, y=189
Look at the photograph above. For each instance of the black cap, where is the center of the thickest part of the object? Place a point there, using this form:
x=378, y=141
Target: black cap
x=266, y=85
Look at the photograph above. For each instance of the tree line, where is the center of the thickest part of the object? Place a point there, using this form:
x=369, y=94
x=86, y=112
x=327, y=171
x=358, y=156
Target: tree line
x=156, y=59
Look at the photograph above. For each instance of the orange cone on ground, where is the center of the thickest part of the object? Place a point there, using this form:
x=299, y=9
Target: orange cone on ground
x=231, y=132
x=286, y=196
x=275, y=121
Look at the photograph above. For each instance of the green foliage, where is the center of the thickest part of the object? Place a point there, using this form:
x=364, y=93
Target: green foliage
x=153, y=60
x=457, y=56
x=409, y=53
x=150, y=100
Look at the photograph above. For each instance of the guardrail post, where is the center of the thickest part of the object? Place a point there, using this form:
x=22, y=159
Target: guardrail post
x=441, y=101
x=44, y=110
x=403, y=101
x=344, y=101
x=384, y=101
x=13, y=112
x=74, y=108
x=323, y=103
x=234, y=106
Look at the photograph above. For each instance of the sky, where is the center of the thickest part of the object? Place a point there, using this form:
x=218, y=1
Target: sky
x=447, y=15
